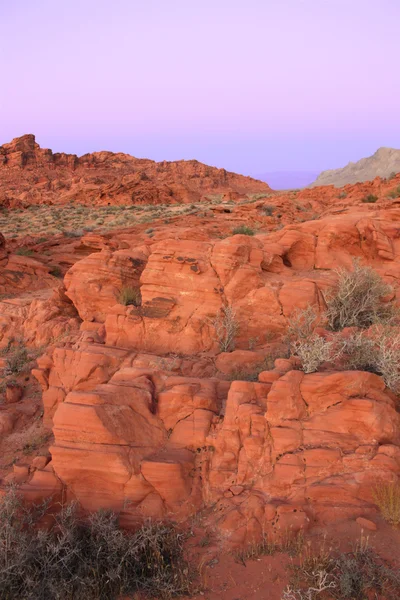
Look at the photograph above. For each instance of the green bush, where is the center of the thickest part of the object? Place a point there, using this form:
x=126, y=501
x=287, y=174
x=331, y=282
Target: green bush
x=243, y=230
x=23, y=251
x=370, y=199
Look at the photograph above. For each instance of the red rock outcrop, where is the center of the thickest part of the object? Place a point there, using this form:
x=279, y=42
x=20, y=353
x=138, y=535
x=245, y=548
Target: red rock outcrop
x=299, y=450
x=151, y=415
x=185, y=283
x=33, y=175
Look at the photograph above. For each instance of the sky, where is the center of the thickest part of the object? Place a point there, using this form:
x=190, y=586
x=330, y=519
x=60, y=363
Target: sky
x=250, y=85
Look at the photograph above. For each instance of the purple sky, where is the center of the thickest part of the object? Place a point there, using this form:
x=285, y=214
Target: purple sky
x=250, y=85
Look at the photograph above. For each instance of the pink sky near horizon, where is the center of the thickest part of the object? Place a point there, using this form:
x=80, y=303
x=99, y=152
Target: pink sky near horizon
x=249, y=85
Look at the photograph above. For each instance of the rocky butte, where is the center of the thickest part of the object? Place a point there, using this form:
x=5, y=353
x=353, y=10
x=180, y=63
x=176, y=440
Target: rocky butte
x=154, y=371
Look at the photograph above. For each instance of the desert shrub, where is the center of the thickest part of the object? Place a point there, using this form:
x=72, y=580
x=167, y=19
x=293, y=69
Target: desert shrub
x=392, y=176
x=388, y=356
x=313, y=352
x=23, y=251
x=322, y=581
x=342, y=195
x=243, y=230
x=355, y=575
x=312, y=349
x=394, y=193
x=356, y=300
x=76, y=233
x=86, y=560
x=55, y=271
x=268, y=209
x=130, y=295
x=17, y=360
x=377, y=352
x=370, y=199
x=360, y=352
x=387, y=498
x=226, y=328
x=302, y=323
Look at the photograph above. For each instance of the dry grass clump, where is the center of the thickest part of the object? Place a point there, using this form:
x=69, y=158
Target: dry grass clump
x=356, y=301
x=387, y=498
x=130, y=296
x=86, y=560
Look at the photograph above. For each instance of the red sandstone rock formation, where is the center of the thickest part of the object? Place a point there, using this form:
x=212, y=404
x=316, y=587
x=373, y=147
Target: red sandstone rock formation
x=149, y=416
x=33, y=175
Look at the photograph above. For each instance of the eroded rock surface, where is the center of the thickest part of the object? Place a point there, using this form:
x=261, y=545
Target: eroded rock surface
x=146, y=411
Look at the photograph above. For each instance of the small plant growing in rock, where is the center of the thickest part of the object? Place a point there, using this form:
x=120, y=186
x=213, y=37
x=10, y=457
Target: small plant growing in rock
x=226, y=328
x=23, y=251
x=342, y=195
x=370, y=199
x=392, y=176
x=387, y=498
x=243, y=230
x=130, y=296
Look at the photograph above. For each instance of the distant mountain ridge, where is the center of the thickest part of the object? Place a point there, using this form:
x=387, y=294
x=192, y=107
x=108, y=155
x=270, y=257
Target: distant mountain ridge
x=383, y=163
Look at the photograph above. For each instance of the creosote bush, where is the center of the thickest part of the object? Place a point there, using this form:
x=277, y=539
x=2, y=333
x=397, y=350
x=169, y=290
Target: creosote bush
x=86, y=560
x=243, y=230
x=130, y=296
x=356, y=301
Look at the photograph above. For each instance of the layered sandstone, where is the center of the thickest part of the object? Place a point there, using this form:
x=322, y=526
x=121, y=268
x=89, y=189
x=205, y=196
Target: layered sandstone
x=33, y=175
x=149, y=415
